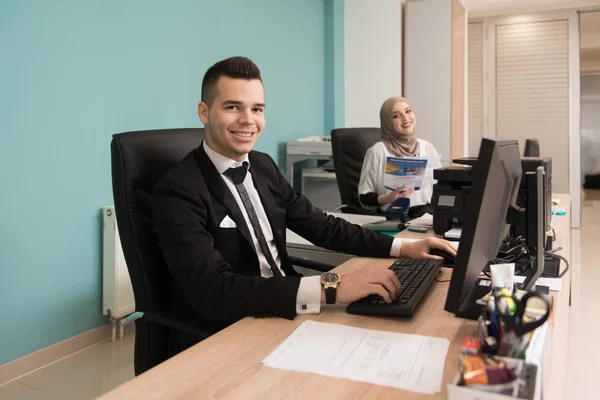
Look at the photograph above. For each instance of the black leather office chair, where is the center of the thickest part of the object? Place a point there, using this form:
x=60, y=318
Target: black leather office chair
x=139, y=159
x=349, y=146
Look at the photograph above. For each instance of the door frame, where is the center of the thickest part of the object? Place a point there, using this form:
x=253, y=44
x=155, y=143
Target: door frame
x=489, y=91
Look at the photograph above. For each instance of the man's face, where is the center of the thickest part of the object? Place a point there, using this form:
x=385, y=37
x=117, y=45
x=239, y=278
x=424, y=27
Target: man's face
x=235, y=119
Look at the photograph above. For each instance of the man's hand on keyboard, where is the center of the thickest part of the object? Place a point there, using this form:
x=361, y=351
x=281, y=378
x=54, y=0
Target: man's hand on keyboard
x=421, y=248
x=366, y=281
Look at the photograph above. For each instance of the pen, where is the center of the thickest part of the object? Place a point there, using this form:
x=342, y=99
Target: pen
x=494, y=319
x=389, y=188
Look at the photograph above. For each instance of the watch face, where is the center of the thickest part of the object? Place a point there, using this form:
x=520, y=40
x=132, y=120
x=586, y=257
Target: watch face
x=330, y=277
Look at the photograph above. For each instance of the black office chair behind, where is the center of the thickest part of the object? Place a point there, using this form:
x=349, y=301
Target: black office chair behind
x=139, y=159
x=532, y=148
x=349, y=146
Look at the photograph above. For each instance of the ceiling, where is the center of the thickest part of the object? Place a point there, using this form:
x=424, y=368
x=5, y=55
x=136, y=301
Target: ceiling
x=589, y=25
x=481, y=8
x=589, y=42
x=589, y=29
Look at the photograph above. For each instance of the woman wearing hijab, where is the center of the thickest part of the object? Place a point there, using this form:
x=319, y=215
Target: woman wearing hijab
x=398, y=139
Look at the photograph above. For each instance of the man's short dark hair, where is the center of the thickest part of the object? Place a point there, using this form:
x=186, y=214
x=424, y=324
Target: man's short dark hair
x=233, y=67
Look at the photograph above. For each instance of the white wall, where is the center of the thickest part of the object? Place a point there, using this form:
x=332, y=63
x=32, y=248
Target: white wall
x=590, y=114
x=590, y=102
x=373, y=58
x=590, y=124
x=428, y=74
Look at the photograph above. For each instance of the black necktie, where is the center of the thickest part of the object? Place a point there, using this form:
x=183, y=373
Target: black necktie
x=238, y=175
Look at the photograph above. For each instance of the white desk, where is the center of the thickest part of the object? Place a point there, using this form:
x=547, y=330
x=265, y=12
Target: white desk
x=295, y=239
x=228, y=364
x=299, y=247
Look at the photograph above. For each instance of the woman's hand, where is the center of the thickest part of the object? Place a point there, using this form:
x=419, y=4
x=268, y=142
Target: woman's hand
x=402, y=191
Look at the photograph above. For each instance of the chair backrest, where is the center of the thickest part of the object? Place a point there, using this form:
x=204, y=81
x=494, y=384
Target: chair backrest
x=349, y=146
x=139, y=159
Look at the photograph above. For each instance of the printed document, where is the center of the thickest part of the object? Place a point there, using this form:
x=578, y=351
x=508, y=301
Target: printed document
x=409, y=171
x=403, y=361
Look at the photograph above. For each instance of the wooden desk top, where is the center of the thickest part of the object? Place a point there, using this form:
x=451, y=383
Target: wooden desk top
x=228, y=364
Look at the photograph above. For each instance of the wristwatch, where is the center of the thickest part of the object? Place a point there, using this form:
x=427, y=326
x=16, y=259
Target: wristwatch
x=330, y=280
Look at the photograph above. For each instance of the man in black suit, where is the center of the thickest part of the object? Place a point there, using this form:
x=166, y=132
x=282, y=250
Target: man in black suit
x=221, y=215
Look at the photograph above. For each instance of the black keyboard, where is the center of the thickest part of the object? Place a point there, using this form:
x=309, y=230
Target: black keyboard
x=416, y=276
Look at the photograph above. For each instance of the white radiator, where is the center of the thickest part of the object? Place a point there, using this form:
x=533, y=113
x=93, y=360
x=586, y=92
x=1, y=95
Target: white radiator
x=117, y=294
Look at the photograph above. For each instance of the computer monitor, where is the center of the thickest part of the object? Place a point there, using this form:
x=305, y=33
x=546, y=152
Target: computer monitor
x=491, y=207
x=527, y=224
x=532, y=148
x=536, y=230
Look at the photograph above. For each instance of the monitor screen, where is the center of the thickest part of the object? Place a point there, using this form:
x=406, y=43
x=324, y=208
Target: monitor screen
x=496, y=179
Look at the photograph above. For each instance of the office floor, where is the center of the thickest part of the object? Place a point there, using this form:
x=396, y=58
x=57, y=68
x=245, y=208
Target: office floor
x=585, y=303
x=98, y=369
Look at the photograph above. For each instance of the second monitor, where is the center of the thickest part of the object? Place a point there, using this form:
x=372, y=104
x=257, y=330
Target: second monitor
x=492, y=206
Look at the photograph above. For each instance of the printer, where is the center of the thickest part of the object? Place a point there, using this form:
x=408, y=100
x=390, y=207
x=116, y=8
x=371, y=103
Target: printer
x=449, y=197
x=450, y=193
x=311, y=145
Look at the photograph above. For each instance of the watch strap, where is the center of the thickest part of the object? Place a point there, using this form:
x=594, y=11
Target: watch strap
x=330, y=293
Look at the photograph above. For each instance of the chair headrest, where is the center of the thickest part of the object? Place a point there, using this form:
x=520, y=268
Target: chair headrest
x=145, y=156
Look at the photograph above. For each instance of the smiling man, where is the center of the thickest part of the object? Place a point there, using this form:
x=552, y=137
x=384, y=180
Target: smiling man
x=221, y=215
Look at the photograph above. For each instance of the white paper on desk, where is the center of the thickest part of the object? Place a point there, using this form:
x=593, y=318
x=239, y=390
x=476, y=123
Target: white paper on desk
x=425, y=220
x=403, y=361
x=453, y=233
x=554, y=284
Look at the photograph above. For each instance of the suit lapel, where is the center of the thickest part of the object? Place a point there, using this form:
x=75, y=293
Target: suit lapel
x=215, y=183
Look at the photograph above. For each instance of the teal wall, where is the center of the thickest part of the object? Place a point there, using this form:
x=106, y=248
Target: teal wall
x=75, y=72
x=334, y=65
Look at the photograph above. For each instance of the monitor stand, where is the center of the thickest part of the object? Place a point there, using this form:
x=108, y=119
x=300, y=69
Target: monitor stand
x=473, y=310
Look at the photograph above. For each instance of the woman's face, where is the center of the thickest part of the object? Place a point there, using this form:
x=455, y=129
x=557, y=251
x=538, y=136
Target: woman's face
x=403, y=118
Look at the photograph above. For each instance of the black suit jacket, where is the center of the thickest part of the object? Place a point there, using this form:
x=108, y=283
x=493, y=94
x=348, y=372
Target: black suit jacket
x=216, y=273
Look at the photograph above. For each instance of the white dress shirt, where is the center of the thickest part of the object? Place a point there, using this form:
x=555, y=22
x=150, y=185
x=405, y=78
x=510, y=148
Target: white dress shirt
x=373, y=172
x=308, y=299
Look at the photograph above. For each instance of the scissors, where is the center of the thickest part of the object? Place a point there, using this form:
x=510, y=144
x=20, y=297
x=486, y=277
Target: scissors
x=517, y=322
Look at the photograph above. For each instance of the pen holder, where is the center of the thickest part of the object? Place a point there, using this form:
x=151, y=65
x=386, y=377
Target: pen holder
x=528, y=349
x=494, y=378
x=497, y=340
